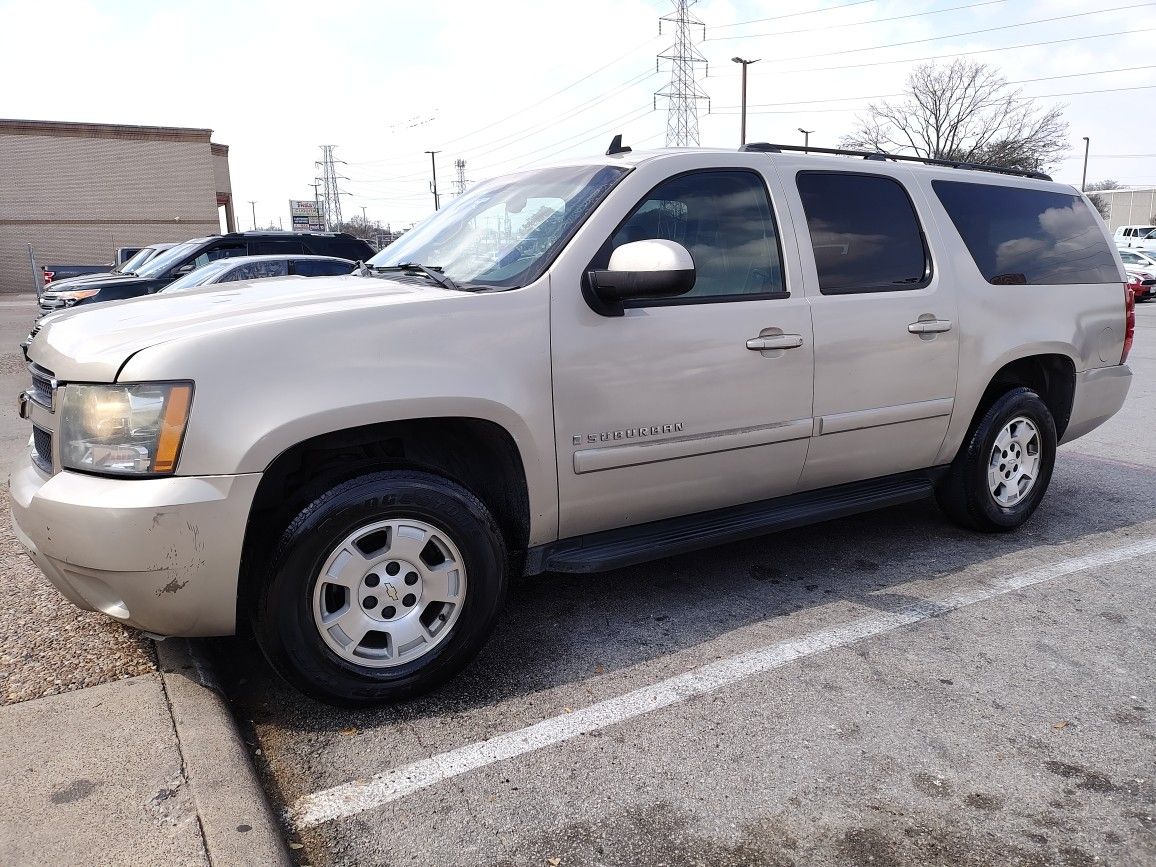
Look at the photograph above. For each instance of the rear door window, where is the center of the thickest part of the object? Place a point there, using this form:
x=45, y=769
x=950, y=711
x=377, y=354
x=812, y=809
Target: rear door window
x=279, y=247
x=321, y=267
x=865, y=233
x=257, y=271
x=1028, y=237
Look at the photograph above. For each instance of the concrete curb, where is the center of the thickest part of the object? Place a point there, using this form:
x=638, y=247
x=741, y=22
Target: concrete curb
x=238, y=824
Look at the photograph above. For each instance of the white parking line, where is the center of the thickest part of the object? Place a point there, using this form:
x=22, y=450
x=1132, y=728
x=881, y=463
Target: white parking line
x=357, y=797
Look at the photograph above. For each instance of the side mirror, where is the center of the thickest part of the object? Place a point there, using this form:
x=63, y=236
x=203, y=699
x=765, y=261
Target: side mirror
x=640, y=269
x=184, y=269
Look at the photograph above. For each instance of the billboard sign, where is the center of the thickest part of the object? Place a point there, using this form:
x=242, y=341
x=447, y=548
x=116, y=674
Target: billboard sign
x=306, y=216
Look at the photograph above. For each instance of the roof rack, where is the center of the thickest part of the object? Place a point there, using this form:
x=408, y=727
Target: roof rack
x=767, y=148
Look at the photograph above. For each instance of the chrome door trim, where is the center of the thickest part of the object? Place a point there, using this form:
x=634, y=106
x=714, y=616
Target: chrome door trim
x=633, y=454
x=884, y=415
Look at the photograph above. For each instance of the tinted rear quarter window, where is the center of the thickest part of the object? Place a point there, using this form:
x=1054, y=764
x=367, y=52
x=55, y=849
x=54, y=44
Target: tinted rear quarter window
x=865, y=233
x=1028, y=237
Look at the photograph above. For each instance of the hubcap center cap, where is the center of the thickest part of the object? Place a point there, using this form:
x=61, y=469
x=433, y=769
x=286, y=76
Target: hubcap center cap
x=390, y=590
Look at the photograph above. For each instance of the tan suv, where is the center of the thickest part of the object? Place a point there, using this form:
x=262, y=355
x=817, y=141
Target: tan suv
x=570, y=369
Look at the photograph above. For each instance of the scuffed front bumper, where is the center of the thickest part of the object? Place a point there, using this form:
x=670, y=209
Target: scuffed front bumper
x=1100, y=392
x=162, y=555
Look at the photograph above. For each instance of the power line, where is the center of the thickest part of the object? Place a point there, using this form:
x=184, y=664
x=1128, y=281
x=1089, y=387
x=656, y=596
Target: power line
x=967, y=32
x=855, y=23
x=895, y=95
x=570, y=86
x=1027, y=98
x=960, y=53
x=792, y=14
x=503, y=141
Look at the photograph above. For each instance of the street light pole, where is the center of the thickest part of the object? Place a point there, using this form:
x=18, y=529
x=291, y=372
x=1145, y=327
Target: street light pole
x=1084, y=180
x=743, y=130
x=806, y=138
x=434, y=185
x=254, y=204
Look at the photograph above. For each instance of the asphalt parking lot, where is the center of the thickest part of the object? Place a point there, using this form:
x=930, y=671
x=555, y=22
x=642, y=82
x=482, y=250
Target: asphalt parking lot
x=884, y=689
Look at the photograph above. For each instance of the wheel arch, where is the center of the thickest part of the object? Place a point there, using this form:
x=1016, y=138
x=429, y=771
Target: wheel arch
x=476, y=453
x=1052, y=375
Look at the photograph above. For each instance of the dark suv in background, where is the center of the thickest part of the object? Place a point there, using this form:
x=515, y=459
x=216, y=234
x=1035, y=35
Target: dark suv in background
x=182, y=259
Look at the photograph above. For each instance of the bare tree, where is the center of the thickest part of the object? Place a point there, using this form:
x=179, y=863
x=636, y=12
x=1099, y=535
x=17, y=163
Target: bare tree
x=1099, y=201
x=964, y=112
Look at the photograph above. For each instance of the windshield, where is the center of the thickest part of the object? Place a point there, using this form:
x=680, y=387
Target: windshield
x=161, y=264
x=1147, y=233
x=135, y=261
x=200, y=276
x=504, y=232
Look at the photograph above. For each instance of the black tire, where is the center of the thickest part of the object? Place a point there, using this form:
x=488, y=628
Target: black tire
x=283, y=620
x=963, y=494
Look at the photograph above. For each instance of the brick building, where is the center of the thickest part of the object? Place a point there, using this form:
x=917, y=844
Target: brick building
x=77, y=191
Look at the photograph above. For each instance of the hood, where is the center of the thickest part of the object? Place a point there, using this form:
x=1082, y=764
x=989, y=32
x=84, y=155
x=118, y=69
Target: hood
x=69, y=282
x=92, y=343
x=96, y=281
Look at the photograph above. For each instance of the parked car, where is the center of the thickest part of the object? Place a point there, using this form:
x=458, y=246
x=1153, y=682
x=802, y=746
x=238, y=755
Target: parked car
x=130, y=267
x=258, y=268
x=666, y=351
x=184, y=258
x=1142, y=284
x=1134, y=236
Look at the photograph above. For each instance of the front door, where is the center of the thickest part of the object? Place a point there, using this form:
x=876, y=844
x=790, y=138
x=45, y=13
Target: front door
x=886, y=329
x=674, y=408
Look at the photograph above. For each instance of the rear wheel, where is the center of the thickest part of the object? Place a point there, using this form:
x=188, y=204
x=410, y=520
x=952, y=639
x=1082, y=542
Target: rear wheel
x=1003, y=469
x=382, y=588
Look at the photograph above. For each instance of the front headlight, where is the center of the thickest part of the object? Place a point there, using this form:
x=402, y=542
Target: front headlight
x=71, y=296
x=124, y=429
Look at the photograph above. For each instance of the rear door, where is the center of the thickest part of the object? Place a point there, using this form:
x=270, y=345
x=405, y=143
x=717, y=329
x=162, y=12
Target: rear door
x=886, y=331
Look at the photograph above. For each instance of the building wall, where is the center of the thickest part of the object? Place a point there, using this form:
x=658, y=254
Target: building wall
x=76, y=192
x=1129, y=207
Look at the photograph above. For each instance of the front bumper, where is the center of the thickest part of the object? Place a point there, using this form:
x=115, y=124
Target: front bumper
x=1100, y=392
x=162, y=555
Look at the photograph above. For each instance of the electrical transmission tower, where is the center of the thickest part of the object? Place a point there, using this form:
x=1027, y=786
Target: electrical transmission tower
x=460, y=181
x=683, y=94
x=330, y=193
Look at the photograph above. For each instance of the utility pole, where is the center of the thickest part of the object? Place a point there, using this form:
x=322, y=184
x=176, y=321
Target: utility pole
x=434, y=186
x=317, y=199
x=331, y=197
x=254, y=206
x=1084, y=179
x=364, y=218
x=806, y=138
x=460, y=181
x=743, y=129
x=683, y=93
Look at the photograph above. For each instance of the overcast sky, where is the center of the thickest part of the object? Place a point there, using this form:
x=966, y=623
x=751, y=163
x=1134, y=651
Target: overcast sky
x=512, y=83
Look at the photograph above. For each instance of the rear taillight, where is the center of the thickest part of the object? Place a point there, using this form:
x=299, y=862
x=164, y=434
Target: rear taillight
x=1129, y=321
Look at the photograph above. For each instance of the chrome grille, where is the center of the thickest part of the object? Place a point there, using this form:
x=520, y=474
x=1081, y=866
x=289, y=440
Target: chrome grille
x=42, y=386
x=42, y=448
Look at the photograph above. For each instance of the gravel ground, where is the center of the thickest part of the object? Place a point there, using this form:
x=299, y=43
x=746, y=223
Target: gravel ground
x=47, y=645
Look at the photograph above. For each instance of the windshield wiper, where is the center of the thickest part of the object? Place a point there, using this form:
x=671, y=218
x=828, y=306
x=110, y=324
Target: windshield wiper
x=434, y=273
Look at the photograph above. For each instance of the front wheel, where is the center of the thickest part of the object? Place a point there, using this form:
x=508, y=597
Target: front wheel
x=1003, y=469
x=382, y=588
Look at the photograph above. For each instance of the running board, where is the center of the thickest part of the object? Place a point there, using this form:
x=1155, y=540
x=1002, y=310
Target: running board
x=628, y=546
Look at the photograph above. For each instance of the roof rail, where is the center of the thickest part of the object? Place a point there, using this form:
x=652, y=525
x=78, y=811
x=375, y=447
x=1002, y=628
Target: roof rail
x=765, y=147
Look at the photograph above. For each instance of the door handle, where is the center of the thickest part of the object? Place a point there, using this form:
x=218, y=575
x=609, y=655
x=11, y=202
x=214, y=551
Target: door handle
x=929, y=326
x=775, y=341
